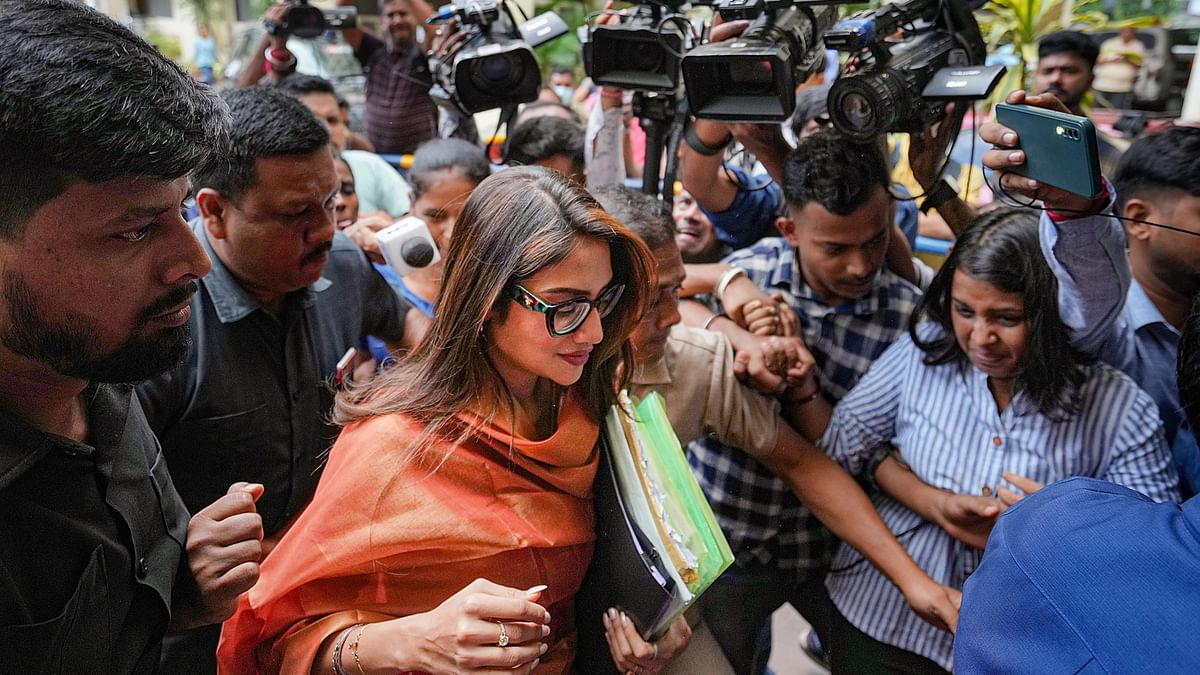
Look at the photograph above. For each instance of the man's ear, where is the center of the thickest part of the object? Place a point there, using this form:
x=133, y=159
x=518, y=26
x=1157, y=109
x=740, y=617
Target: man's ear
x=1139, y=209
x=787, y=230
x=213, y=209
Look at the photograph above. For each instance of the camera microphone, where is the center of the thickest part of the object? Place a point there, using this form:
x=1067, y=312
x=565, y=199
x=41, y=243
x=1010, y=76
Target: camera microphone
x=407, y=245
x=417, y=252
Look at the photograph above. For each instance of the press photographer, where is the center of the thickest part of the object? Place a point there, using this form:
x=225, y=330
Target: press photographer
x=400, y=115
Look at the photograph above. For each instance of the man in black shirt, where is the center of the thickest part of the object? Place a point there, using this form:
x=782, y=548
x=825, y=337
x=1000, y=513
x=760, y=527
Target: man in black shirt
x=97, y=553
x=287, y=297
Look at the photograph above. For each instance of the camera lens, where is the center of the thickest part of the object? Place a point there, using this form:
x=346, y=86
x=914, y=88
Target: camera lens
x=495, y=68
x=645, y=56
x=305, y=21
x=865, y=105
x=751, y=77
x=856, y=110
x=496, y=74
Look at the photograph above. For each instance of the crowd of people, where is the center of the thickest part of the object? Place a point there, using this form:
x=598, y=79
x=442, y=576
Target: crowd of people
x=234, y=439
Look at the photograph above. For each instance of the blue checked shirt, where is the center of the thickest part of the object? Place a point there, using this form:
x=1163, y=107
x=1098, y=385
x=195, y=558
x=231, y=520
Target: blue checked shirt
x=761, y=517
x=944, y=422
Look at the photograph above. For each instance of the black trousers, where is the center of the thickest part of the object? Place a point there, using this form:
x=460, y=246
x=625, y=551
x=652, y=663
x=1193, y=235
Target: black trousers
x=853, y=652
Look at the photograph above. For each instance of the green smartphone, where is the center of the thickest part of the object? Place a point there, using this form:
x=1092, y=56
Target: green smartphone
x=1060, y=149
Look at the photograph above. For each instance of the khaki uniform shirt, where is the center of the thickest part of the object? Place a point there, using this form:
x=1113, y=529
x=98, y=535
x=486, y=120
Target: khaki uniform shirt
x=695, y=377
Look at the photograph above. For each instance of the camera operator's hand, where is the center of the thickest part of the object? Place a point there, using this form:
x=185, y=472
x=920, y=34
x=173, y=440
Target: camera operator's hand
x=446, y=39
x=273, y=21
x=927, y=155
x=766, y=143
x=927, y=150
x=272, y=40
x=720, y=29
x=1007, y=154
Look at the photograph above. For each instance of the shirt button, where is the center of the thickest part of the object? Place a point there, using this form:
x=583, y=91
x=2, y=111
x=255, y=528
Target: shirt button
x=143, y=568
x=996, y=440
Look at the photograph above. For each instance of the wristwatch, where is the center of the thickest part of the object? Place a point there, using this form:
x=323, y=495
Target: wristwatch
x=942, y=191
x=695, y=142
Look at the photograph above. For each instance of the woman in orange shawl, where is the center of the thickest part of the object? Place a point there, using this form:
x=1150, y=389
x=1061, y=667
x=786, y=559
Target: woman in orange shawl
x=473, y=458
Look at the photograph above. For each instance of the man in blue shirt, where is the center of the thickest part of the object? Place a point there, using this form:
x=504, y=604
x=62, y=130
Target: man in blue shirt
x=1158, y=181
x=1089, y=577
x=205, y=53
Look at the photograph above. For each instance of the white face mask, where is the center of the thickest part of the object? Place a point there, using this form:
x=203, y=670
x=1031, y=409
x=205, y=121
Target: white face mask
x=564, y=92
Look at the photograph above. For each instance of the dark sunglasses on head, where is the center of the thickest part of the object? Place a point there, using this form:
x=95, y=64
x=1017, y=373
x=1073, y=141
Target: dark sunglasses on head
x=564, y=318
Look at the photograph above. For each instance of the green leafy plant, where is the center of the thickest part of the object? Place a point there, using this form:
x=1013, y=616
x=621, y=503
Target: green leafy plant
x=564, y=51
x=167, y=45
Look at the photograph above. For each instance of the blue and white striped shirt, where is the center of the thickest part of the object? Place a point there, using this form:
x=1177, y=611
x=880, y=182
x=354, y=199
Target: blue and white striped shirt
x=945, y=424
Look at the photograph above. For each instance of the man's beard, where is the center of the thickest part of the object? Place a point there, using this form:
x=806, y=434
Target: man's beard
x=71, y=347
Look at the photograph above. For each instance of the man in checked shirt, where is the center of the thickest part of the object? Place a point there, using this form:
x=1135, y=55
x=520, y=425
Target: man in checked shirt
x=828, y=267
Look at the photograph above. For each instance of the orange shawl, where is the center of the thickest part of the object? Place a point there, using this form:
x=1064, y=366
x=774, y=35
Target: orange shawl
x=383, y=539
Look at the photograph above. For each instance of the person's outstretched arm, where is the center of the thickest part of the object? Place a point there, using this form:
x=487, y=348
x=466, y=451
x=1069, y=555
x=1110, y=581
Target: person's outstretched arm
x=837, y=501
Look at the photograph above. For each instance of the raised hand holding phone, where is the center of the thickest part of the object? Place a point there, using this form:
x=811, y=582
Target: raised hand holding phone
x=1009, y=158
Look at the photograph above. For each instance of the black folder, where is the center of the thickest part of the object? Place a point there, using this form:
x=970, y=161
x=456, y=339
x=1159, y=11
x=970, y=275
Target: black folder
x=626, y=573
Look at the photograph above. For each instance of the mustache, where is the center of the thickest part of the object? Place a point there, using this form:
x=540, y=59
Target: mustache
x=172, y=298
x=318, y=252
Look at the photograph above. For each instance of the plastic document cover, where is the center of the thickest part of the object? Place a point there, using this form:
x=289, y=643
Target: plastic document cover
x=663, y=514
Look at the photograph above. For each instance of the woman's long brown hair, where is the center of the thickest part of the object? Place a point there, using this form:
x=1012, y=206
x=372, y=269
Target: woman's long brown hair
x=514, y=224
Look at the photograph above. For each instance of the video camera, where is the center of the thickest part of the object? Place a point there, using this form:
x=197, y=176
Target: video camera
x=305, y=21
x=642, y=52
x=494, y=66
x=904, y=85
x=753, y=78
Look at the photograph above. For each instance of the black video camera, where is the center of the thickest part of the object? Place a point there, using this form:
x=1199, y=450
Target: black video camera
x=903, y=85
x=494, y=66
x=753, y=77
x=642, y=52
x=305, y=21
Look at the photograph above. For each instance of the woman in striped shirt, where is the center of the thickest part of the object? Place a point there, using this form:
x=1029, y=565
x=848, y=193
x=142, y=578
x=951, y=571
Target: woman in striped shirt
x=985, y=394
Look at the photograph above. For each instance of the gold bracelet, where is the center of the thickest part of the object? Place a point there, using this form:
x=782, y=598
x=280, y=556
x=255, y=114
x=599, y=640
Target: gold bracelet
x=337, y=651
x=354, y=649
